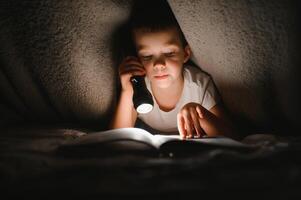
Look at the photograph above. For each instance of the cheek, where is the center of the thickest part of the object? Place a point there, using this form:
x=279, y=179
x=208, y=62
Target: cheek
x=174, y=62
x=179, y=58
x=175, y=66
x=148, y=68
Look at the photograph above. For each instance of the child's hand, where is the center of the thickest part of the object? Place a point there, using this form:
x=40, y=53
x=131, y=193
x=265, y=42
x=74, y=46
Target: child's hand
x=189, y=120
x=129, y=67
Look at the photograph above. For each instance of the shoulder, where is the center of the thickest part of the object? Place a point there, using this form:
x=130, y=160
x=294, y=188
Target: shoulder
x=200, y=84
x=195, y=75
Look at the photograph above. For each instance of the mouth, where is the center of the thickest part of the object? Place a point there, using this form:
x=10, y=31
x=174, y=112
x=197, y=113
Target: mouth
x=161, y=77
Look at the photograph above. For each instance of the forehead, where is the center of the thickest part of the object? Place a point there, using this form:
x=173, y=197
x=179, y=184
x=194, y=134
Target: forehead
x=144, y=38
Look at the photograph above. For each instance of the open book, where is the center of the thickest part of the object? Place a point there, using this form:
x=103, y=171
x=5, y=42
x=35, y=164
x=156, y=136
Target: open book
x=140, y=140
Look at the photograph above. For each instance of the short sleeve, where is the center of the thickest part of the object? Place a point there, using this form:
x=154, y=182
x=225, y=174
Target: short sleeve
x=211, y=96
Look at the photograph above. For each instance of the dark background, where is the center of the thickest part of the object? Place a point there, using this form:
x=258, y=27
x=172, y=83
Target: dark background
x=58, y=62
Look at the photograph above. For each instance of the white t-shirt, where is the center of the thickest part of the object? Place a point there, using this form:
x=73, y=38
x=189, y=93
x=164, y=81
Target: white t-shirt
x=198, y=88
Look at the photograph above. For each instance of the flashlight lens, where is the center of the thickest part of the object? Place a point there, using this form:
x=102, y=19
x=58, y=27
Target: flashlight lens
x=144, y=108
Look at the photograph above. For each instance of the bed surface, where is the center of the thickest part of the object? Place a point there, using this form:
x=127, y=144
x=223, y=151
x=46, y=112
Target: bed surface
x=30, y=166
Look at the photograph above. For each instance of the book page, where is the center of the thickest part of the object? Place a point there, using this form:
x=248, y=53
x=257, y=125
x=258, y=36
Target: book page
x=141, y=135
x=136, y=134
x=158, y=139
x=221, y=141
x=216, y=141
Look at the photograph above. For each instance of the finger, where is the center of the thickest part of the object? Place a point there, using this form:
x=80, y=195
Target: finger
x=128, y=62
x=181, y=125
x=131, y=68
x=134, y=62
x=199, y=111
x=202, y=130
x=138, y=73
x=133, y=71
x=196, y=123
x=188, y=124
x=131, y=58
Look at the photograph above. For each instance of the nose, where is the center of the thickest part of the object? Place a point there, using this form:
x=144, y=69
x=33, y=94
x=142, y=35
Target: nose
x=159, y=63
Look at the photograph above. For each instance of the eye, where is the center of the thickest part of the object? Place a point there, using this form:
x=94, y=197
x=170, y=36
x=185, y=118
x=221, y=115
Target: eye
x=169, y=54
x=146, y=58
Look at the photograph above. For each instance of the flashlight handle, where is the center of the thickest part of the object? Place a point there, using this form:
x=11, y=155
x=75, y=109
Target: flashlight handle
x=138, y=81
x=141, y=93
x=139, y=86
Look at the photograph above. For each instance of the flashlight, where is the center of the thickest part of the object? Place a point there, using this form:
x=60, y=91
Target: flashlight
x=142, y=98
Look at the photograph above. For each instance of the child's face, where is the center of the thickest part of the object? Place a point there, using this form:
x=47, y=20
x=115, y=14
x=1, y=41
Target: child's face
x=162, y=56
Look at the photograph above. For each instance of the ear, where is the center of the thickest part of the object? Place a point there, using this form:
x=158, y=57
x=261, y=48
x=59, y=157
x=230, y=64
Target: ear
x=187, y=53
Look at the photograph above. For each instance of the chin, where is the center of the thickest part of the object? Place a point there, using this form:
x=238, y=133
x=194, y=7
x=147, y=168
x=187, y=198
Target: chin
x=163, y=85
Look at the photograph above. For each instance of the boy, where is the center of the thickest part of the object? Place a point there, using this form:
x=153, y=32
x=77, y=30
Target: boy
x=185, y=98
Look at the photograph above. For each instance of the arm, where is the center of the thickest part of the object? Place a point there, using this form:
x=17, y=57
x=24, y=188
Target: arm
x=216, y=122
x=195, y=121
x=125, y=115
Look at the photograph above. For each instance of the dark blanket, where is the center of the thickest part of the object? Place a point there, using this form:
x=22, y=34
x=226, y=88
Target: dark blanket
x=31, y=167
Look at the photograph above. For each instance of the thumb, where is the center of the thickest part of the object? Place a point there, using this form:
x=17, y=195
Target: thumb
x=200, y=111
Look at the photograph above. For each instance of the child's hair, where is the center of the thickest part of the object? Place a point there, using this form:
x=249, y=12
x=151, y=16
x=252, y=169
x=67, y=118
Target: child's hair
x=153, y=16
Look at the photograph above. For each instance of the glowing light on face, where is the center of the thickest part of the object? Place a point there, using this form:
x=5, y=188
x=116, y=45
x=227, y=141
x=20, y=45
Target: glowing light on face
x=162, y=56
